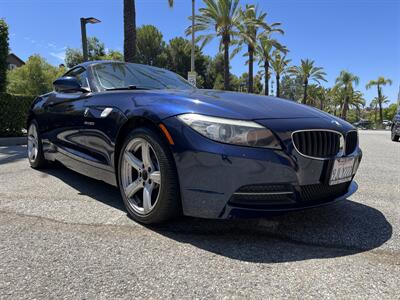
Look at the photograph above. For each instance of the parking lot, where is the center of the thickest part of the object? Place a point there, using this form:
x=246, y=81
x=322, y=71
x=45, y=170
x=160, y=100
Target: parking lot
x=63, y=235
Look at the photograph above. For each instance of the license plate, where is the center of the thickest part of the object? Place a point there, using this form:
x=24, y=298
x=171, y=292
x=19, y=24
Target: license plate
x=342, y=170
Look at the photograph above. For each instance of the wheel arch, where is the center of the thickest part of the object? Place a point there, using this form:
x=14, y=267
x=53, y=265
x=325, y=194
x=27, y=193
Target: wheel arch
x=32, y=113
x=128, y=126
x=31, y=116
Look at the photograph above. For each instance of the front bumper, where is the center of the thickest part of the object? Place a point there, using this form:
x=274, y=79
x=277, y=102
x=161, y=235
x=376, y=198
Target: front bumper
x=212, y=176
x=232, y=211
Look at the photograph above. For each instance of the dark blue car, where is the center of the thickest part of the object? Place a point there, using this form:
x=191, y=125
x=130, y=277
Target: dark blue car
x=173, y=149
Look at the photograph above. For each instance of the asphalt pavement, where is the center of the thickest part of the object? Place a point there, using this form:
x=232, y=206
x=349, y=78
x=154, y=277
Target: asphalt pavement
x=63, y=235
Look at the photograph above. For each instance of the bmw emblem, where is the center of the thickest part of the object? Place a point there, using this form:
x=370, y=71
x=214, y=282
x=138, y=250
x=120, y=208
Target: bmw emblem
x=336, y=123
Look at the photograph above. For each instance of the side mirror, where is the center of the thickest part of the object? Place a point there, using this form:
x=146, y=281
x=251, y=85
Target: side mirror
x=68, y=84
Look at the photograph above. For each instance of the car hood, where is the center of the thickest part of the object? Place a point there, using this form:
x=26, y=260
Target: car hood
x=229, y=104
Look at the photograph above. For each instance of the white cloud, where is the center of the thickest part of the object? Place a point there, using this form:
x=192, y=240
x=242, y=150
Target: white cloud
x=59, y=55
x=55, y=51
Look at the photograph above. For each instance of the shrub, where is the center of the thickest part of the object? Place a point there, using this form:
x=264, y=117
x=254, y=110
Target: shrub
x=3, y=54
x=13, y=113
x=34, y=78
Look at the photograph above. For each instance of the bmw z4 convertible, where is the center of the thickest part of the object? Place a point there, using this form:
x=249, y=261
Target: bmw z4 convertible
x=173, y=149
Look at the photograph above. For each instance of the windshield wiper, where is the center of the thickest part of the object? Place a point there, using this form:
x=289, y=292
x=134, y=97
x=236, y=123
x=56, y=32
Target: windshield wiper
x=129, y=87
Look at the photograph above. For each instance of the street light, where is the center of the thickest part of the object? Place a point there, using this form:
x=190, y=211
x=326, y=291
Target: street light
x=85, y=21
x=192, y=74
x=193, y=41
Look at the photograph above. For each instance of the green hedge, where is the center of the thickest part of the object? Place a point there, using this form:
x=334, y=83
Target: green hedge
x=13, y=113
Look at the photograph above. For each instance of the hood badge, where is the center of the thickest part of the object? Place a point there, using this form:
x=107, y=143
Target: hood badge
x=336, y=123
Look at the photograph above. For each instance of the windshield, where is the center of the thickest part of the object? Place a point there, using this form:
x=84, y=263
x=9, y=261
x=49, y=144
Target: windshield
x=114, y=75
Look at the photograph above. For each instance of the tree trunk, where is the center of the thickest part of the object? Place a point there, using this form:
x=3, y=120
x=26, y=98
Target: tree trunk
x=345, y=105
x=305, y=92
x=251, y=62
x=129, y=31
x=278, y=88
x=266, y=67
x=321, y=104
x=380, y=105
x=345, y=109
x=226, y=63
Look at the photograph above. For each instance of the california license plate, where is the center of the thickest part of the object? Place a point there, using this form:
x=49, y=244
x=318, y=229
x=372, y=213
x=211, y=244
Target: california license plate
x=342, y=170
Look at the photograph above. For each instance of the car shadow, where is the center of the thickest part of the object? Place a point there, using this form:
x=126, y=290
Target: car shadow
x=86, y=186
x=340, y=229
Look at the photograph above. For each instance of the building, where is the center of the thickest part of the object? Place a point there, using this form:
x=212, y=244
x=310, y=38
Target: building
x=14, y=61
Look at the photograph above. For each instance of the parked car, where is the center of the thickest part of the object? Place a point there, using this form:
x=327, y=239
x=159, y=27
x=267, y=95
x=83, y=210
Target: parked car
x=395, y=127
x=172, y=148
x=363, y=124
x=386, y=123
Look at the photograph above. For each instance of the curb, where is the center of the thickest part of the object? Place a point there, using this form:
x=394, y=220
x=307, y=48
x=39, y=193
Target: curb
x=13, y=141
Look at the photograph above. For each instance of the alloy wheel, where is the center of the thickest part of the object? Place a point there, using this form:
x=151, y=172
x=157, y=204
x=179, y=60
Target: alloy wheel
x=33, y=143
x=140, y=176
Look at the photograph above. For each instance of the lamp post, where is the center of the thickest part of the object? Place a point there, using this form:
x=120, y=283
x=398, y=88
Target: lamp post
x=192, y=74
x=85, y=21
x=193, y=42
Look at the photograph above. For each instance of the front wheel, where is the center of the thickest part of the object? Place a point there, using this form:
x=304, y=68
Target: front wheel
x=147, y=178
x=35, y=148
x=395, y=138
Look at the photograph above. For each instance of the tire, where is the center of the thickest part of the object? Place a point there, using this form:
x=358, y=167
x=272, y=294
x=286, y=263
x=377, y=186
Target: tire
x=394, y=137
x=137, y=172
x=35, y=147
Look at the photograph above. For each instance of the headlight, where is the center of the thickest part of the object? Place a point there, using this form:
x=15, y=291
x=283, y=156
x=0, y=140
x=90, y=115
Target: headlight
x=243, y=133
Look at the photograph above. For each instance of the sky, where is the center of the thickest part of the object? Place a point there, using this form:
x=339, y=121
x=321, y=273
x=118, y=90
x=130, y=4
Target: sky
x=360, y=36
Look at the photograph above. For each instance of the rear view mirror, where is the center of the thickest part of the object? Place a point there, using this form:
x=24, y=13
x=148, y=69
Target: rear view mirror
x=68, y=84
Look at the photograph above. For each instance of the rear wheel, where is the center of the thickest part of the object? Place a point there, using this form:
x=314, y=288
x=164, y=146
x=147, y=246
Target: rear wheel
x=35, y=148
x=395, y=138
x=147, y=178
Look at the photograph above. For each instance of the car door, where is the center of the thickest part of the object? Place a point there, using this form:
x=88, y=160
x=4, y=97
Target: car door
x=65, y=111
x=102, y=121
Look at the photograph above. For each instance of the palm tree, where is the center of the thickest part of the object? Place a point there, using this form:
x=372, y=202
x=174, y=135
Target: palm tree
x=252, y=21
x=329, y=104
x=280, y=66
x=345, y=81
x=130, y=29
x=381, y=81
x=357, y=101
x=318, y=96
x=336, y=96
x=264, y=50
x=307, y=72
x=219, y=18
x=374, y=106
